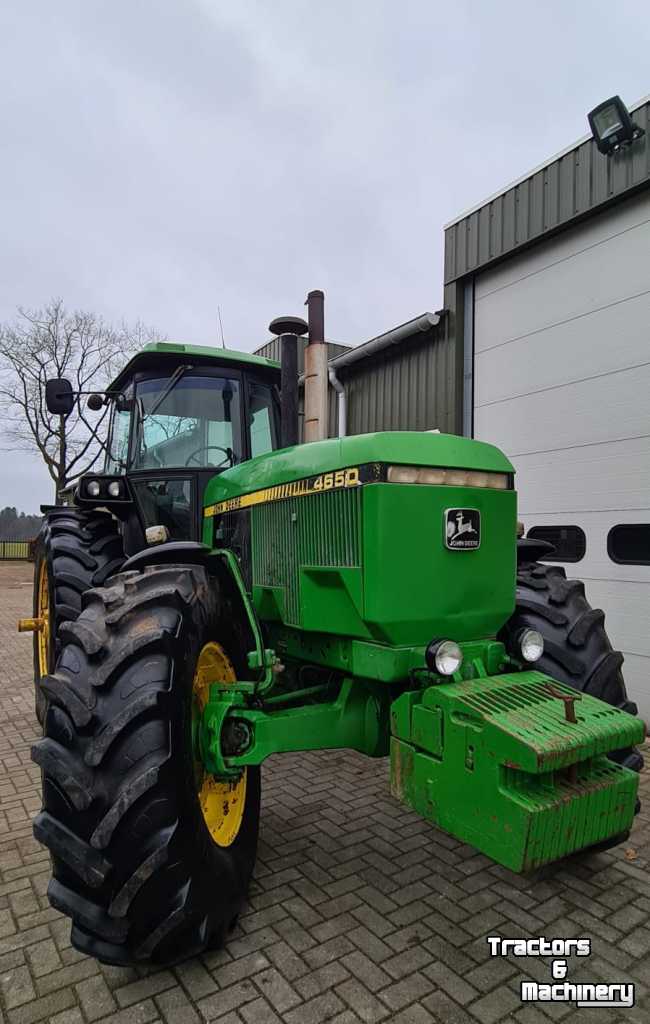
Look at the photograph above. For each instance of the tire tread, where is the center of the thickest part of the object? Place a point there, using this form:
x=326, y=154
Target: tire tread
x=133, y=862
x=82, y=548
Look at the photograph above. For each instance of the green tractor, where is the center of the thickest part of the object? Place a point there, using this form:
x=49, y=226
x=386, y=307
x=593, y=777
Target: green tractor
x=219, y=594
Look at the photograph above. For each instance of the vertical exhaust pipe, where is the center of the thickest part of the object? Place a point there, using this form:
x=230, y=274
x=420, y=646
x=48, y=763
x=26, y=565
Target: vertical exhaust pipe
x=315, y=421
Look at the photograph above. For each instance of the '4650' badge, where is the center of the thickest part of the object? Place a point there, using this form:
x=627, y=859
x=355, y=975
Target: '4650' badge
x=462, y=529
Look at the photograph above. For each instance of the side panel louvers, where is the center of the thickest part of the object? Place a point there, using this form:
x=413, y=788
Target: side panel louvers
x=316, y=530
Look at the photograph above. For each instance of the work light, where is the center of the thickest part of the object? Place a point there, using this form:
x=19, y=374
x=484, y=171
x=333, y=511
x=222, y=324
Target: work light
x=612, y=126
x=444, y=656
x=115, y=488
x=93, y=488
x=531, y=644
x=447, y=477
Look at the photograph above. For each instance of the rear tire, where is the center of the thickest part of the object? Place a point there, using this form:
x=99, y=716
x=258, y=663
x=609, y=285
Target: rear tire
x=77, y=550
x=134, y=864
x=577, y=650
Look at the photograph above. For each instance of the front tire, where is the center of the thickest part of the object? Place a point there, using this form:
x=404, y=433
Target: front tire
x=75, y=550
x=134, y=863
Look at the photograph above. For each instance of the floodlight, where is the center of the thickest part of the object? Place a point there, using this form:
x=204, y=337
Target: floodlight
x=612, y=127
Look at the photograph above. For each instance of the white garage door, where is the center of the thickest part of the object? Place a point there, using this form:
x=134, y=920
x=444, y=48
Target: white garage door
x=562, y=384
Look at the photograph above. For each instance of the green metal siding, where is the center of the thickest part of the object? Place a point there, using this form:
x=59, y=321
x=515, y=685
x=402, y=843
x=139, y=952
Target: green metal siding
x=567, y=189
x=409, y=386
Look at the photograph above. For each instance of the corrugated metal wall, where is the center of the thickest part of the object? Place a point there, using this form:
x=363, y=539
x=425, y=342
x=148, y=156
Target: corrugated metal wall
x=409, y=386
x=568, y=188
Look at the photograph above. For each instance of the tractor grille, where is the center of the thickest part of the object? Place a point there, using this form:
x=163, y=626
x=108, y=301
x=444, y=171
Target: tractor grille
x=316, y=530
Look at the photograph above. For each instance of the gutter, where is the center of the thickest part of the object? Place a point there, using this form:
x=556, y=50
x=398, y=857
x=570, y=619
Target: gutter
x=418, y=325
x=384, y=341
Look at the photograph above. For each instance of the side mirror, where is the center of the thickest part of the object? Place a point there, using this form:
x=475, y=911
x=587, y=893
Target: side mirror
x=59, y=396
x=95, y=402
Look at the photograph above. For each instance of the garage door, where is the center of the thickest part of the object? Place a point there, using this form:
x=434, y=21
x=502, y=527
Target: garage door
x=562, y=384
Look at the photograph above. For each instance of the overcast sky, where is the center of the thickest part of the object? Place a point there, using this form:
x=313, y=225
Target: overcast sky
x=163, y=157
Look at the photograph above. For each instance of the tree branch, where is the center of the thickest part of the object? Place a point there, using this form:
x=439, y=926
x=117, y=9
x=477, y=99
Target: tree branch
x=50, y=342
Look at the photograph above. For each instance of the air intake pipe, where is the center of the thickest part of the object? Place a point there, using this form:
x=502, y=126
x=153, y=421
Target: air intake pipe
x=287, y=330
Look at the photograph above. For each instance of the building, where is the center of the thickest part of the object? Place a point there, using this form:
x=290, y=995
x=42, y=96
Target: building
x=543, y=348
x=547, y=285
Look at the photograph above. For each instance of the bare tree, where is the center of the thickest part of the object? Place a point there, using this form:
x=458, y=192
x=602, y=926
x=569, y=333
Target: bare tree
x=48, y=343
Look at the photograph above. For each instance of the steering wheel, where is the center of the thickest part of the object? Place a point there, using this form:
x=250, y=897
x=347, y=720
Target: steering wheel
x=211, y=447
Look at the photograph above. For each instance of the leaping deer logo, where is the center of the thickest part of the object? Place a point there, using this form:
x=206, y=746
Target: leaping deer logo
x=461, y=527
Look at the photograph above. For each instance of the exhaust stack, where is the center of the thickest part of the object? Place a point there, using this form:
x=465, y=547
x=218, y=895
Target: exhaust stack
x=316, y=382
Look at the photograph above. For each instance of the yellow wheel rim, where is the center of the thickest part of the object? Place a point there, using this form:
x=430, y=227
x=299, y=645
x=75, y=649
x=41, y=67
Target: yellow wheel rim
x=43, y=613
x=222, y=803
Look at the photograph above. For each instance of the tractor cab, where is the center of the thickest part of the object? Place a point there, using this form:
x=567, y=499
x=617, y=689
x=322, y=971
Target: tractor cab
x=179, y=415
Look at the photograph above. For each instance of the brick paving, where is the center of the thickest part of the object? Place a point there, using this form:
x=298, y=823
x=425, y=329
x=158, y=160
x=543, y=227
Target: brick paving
x=359, y=911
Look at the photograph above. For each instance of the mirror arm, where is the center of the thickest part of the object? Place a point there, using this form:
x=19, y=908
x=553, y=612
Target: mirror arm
x=98, y=391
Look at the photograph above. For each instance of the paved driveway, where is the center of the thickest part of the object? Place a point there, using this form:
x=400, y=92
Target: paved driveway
x=359, y=910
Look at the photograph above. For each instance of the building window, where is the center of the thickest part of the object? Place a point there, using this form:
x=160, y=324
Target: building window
x=629, y=544
x=569, y=542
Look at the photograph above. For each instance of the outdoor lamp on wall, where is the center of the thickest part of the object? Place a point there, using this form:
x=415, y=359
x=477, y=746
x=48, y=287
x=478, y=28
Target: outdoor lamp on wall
x=612, y=127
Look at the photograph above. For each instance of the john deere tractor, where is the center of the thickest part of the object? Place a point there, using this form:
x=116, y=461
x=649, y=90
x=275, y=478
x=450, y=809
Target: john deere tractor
x=211, y=599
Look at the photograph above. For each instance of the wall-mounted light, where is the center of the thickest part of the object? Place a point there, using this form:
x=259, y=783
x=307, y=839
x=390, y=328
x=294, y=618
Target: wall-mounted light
x=612, y=127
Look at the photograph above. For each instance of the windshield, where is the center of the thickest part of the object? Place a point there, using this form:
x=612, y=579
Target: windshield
x=196, y=424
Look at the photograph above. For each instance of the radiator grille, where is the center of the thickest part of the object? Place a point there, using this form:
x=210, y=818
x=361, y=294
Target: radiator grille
x=319, y=529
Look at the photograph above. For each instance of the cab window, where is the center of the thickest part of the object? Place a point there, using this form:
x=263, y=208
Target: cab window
x=262, y=420
x=118, y=439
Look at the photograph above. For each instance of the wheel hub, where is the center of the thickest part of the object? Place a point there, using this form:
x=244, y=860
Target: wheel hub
x=222, y=803
x=43, y=605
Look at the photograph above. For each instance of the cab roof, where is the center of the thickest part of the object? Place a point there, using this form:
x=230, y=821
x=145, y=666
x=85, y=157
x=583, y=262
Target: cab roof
x=167, y=354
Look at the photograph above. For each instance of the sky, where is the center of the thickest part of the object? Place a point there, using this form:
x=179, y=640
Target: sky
x=162, y=158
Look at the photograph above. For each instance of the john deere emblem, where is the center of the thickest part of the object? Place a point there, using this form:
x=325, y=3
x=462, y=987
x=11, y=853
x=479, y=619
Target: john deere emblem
x=462, y=528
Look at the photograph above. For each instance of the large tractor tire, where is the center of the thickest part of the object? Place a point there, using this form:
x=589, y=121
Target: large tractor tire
x=577, y=650
x=75, y=550
x=151, y=856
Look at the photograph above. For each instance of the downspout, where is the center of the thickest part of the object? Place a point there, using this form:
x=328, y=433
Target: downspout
x=339, y=387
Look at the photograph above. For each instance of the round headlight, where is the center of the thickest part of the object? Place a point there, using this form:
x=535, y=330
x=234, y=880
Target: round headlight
x=115, y=488
x=93, y=488
x=531, y=644
x=444, y=656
